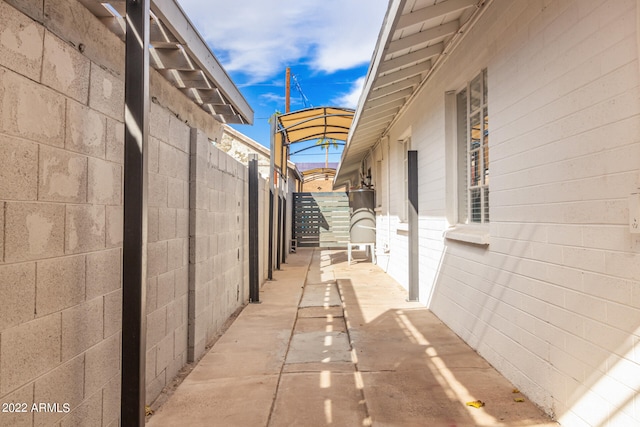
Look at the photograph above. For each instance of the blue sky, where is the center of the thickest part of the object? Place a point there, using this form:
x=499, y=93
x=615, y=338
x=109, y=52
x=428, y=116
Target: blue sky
x=327, y=44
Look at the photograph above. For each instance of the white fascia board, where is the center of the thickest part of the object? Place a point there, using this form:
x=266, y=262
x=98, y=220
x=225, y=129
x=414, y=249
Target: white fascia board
x=393, y=14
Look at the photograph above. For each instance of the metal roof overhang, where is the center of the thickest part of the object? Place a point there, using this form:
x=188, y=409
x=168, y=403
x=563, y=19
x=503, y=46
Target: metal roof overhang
x=180, y=54
x=415, y=38
x=315, y=123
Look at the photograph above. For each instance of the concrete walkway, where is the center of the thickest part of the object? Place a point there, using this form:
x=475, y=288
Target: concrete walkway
x=338, y=344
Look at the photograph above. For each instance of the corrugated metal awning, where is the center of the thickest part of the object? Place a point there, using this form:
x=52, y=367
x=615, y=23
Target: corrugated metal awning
x=414, y=37
x=180, y=54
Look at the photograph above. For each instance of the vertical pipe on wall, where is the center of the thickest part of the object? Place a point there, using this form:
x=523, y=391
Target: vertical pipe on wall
x=254, y=285
x=284, y=230
x=134, y=248
x=270, y=270
x=272, y=190
x=279, y=237
x=412, y=169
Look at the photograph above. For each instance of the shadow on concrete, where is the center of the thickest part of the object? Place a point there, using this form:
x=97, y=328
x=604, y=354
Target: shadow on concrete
x=414, y=369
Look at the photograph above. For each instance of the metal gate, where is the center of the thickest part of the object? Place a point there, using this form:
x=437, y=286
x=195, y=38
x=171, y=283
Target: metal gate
x=321, y=220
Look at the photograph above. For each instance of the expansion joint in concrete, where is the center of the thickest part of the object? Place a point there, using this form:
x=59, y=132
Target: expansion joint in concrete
x=295, y=321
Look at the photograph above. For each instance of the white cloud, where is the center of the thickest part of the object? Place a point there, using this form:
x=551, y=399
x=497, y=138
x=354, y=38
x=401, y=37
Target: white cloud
x=262, y=37
x=350, y=99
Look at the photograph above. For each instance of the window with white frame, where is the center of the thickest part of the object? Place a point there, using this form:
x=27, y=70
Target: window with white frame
x=473, y=152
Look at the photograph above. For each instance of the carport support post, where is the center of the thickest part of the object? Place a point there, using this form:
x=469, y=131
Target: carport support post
x=254, y=286
x=412, y=169
x=272, y=175
x=134, y=248
x=279, y=246
x=284, y=229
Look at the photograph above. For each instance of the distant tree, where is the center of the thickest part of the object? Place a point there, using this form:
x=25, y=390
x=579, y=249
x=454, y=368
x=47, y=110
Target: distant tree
x=324, y=144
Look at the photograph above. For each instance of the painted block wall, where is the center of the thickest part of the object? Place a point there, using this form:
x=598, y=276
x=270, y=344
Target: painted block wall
x=553, y=301
x=61, y=185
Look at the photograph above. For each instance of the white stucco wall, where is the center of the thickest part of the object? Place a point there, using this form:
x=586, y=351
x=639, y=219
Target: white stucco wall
x=553, y=301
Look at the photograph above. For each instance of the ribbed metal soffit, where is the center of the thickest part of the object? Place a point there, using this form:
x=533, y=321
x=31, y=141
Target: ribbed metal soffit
x=414, y=37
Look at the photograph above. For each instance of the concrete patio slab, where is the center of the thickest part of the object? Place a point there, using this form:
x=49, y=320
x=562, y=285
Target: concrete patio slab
x=240, y=401
x=319, y=399
x=321, y=295
x=345, y=352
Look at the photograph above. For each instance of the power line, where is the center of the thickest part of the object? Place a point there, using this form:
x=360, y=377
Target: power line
x=305, y=100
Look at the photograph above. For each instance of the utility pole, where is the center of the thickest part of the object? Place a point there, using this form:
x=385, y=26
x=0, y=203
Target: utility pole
x=287, y=91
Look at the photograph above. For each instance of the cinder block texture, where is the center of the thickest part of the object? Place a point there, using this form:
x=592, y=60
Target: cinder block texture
x=30, y=111
x=71, y=21
x=32, y=8
x=28, y=351
x=65, y=69
x=166, y=224
x=114, y=225
x=104, y=272
x=106, y=92
x=86, y=130
x=115, y=141
x=18, y=169
x=179, y=135
x=102, y=364
x=105, y=182
x=2, y=225
x=82, y=327
x=60, y=284
x=33, y=231
x=85, y=228
x=157, y=192
x=18, y=290
x=158, y=121
x=156, y=258
x=166, y=288
x=62, y=385
x=18, y=419
x=563, y=152
x=156, y=326
x=88, y=413
x=111, y=403
x=62, y=176
x=112, y=313
x=21, y=43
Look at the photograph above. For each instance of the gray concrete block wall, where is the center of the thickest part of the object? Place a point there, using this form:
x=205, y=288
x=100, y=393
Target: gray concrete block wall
x=61, y=219
x=60, y=216
x=167, y=250
x=218, y=264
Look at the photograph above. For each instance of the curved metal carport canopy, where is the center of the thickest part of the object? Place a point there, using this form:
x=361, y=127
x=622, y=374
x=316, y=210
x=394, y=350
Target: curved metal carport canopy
x=290, y=128
x=307, y=125
x=315, y=123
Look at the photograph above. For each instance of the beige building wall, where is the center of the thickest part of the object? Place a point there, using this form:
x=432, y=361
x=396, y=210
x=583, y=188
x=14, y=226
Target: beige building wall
x=552, y=301
x=61, y=207
x=240, y=147
x=318, y=185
